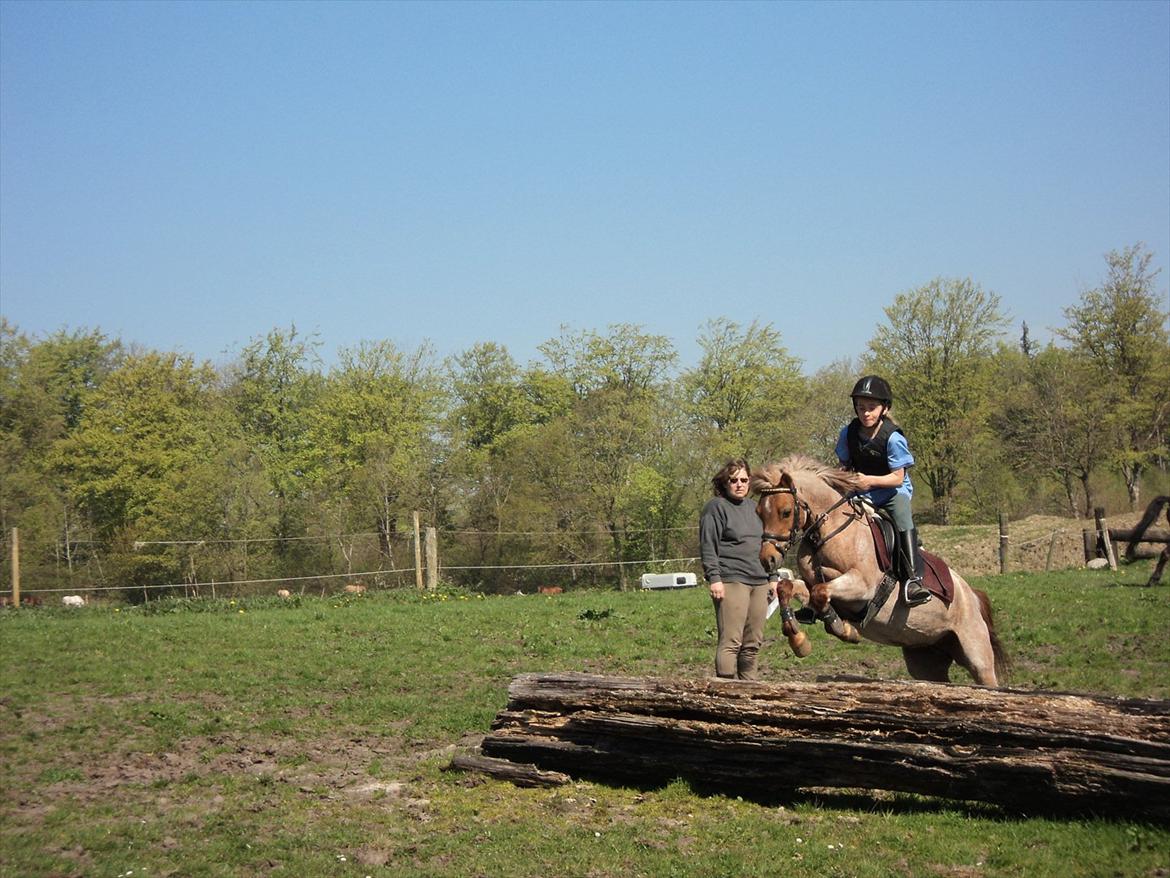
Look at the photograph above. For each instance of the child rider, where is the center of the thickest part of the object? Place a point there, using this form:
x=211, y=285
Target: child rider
x=874, y=447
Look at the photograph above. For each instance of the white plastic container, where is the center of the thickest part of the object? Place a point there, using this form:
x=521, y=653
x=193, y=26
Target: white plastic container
x=668, y=580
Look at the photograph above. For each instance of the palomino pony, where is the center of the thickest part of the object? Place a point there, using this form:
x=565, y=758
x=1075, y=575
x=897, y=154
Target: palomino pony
x=838, y=564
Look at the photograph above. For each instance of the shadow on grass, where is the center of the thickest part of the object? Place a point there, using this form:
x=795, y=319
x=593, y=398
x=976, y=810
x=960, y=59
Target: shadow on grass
x=886, y=802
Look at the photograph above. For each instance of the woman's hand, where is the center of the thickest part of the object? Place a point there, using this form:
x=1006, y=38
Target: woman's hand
x=717, y=590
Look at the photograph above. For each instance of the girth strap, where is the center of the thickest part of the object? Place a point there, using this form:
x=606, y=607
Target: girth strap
x=884, y=590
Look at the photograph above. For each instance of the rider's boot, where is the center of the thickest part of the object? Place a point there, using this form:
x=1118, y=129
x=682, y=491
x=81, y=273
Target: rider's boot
x=910, y=569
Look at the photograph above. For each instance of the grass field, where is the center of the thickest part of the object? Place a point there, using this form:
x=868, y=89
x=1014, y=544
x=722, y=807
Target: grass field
x=309, y=738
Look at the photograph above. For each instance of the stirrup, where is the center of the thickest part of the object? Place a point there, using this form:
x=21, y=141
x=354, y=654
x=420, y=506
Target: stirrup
x=805, y=616
x=914, y=593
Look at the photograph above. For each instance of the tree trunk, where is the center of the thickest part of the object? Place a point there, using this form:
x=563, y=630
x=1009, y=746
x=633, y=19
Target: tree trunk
x=1027, y=751
x=615, y=534
x=1070, y=494
x=1088, y=495
x=387, y=524
x=1133, y=485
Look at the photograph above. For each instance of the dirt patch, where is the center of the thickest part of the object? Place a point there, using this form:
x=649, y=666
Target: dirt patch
x=335, y=767
x=1035, y=544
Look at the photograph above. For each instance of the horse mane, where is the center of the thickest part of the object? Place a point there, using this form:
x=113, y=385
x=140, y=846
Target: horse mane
x=769, y=475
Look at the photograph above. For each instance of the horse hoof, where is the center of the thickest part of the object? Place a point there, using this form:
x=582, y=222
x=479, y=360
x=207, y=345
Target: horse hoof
x=842, y=630
x=801, y=645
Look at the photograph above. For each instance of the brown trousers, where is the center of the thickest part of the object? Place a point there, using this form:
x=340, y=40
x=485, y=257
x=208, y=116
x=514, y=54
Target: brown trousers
x=740, y=618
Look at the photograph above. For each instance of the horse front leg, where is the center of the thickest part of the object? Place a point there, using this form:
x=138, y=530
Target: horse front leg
x=797, y=640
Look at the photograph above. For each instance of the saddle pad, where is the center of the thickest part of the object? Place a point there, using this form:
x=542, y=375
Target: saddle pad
x=937, y=577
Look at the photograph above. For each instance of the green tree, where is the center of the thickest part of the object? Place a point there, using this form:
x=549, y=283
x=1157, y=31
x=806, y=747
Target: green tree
x=1048, y=416
x=490, y=398
x=617, y=423
x=499, y=413
x=821, y=409
x=936, y=349
x=45, y=387
x=744, y=388
x=142, y=464
x=1121, y=327
x=626, y=358
x=371, y=437
x=271, y=390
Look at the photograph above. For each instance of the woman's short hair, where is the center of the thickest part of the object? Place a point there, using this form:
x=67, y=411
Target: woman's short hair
x=720, y=479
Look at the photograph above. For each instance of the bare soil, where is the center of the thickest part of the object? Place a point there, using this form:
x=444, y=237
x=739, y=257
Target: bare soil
x=1035, y=544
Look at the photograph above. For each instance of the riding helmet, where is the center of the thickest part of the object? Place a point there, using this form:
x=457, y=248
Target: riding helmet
x=873, y=387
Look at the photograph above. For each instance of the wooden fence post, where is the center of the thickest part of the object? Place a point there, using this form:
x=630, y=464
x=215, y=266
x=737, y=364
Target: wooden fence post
x=418, y=570
x=16, y=567
x=432, y=558
x=1103, y=536
x=1003, y=542
x=1051, y=548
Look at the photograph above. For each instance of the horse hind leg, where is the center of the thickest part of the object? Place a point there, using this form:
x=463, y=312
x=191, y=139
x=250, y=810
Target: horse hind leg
x=979, y=660
x=978, y=655
x=929, y=663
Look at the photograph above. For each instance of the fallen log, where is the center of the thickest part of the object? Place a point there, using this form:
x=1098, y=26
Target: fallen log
x=1126, y=534
x=1032, y=752
x=521, y=774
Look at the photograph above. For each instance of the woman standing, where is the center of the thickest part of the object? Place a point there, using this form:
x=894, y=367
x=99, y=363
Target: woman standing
x=730, y=534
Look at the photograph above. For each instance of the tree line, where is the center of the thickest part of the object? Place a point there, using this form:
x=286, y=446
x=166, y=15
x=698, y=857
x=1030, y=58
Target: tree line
x=124, y=467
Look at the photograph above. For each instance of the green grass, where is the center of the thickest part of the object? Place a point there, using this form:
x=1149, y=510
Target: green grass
x=309, y=738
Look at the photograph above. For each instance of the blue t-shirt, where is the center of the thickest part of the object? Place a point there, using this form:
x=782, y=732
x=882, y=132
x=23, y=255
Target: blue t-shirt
x=898, y=456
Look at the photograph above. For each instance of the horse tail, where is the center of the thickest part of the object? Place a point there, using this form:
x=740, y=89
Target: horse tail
x=1148, y=517
x=1003, y=662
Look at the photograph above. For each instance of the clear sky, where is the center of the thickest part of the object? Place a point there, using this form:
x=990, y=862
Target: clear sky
x=191, y=175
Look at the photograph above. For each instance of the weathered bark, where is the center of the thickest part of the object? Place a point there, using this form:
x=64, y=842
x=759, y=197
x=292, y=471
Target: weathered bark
x=1028, y=751
x=521, y=774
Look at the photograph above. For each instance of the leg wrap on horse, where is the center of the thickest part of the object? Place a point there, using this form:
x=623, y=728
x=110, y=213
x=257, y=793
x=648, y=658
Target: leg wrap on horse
x=798, y=641
x=838, y=627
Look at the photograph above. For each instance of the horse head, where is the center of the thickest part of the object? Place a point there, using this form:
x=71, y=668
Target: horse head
x=779, y=512
x=795, y=494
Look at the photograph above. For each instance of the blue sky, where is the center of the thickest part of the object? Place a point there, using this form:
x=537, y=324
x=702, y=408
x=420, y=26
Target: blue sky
x=189, y=176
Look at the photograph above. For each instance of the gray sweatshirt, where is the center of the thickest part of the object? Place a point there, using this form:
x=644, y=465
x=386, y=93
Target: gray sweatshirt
x=730, y=534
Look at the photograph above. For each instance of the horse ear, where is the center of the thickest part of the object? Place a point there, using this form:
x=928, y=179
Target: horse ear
x=786, y=480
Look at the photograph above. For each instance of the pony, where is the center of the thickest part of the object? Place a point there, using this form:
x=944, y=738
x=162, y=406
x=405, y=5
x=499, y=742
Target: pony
x=804, y=506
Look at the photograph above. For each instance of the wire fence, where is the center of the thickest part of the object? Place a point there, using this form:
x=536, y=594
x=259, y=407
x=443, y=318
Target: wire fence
x=485, y=561
x=491, y=562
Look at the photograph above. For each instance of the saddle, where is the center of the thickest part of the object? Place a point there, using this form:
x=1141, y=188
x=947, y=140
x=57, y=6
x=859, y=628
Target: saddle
x=936, y=575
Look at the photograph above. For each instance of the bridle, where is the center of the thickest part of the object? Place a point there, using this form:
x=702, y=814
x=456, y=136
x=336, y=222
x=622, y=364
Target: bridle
x=795, y=534
x=812, y=533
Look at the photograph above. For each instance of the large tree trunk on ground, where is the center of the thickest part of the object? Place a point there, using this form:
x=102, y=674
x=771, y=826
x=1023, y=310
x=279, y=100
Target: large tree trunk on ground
x=1027, y=751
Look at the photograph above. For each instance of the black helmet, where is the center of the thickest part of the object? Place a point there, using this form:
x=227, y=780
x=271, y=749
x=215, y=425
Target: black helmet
x=874, y=387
